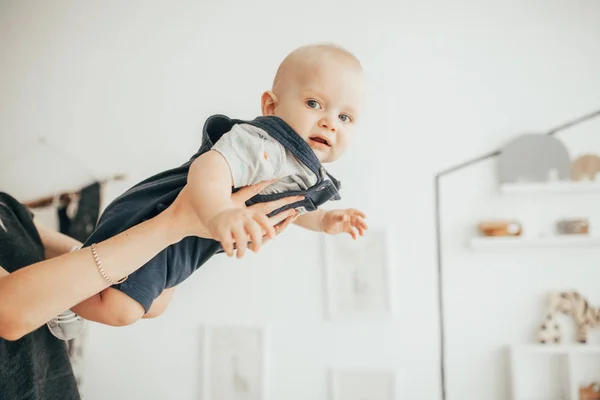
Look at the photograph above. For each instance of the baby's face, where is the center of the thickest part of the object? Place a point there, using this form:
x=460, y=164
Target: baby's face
x=323, y=105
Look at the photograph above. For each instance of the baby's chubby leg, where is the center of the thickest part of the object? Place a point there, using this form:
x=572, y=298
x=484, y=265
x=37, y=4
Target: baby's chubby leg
x=110, y=307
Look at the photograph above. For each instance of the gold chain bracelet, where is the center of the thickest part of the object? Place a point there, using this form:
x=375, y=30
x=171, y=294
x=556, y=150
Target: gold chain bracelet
x=101, y=269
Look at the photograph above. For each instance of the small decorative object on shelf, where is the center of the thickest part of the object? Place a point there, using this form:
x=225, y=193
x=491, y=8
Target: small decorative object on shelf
x=585, y=167
x=534, y=158
x=574, y=305
x=578, y=226
x=591, y=392
x=500, y=228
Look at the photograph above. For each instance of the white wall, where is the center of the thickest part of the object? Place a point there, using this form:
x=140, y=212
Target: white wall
x=125, y=87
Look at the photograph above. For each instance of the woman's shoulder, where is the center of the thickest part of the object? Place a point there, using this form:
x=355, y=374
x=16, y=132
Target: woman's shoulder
x=5, y=197
x=9, y=203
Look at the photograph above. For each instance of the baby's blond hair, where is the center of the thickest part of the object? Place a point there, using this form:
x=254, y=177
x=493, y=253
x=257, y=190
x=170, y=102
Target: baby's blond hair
x=308, y=55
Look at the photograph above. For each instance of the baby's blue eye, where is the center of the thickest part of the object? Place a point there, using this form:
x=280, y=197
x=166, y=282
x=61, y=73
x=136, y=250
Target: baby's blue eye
x=313, y=104
x=345, y=118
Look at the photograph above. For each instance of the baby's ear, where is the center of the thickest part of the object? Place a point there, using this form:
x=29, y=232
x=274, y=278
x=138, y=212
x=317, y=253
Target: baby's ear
x=268, y=102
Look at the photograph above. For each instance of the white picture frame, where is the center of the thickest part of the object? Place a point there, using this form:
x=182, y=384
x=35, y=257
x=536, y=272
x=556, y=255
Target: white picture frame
x=362, y=384
x=234, y=362
x=358, y=275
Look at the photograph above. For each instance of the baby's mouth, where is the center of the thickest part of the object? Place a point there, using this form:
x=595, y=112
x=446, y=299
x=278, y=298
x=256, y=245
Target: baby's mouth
x=320, y=140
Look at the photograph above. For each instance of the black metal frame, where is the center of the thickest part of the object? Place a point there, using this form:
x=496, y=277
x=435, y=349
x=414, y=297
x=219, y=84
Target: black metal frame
x=438, y=223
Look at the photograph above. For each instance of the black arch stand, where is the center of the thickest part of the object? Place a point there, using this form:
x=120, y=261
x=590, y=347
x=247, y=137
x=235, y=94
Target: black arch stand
x=438, y=223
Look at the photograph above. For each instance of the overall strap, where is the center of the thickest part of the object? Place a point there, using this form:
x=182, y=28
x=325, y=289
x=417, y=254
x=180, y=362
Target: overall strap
x=218, y=124
x=283, y=133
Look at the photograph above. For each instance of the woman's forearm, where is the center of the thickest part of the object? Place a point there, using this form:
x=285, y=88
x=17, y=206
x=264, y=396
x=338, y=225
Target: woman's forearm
x=37, y=293
x=54, y=242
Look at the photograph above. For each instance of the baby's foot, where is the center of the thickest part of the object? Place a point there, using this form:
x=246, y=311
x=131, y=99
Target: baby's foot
x=67, y=325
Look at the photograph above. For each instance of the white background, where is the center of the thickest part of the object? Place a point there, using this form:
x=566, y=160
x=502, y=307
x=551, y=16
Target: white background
x=124, y=87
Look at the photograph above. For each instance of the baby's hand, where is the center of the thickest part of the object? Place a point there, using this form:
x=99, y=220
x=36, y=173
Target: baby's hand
x=239, y=225
x=340, y=221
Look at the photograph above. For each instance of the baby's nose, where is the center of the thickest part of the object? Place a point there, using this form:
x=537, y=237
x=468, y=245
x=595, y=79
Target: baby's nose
x=327, y=123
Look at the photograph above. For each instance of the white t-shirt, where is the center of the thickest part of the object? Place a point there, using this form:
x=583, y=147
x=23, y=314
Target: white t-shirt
x=254, y=156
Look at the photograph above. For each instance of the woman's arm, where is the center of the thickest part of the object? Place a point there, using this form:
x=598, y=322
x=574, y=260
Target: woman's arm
x=54, y=242
x=33, y=295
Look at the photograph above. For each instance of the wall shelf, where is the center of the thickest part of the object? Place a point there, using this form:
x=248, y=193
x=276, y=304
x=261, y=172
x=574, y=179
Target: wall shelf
x=555, y=349
x=496, y=242
x=565, y=364
x=560, y=187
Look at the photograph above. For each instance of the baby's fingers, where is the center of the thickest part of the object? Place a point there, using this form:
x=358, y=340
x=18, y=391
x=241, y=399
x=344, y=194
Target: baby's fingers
x=281, y=227
x=361, y=226
x=356, y=213
x=255, y=233
x=352, y=233
x=265, y=224
x=241, y=240
x=227, y=243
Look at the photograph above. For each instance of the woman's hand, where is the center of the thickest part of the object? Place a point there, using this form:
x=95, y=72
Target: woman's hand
x=185, y=222
x=280, y=221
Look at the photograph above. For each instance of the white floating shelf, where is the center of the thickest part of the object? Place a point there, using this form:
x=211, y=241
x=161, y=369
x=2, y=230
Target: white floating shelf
x=525, y=242
x=560, y=187
x=555, y=349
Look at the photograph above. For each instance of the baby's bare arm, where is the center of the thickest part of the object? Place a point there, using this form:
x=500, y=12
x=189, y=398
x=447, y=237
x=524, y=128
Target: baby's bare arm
x=110, y=307
x=210, y=182
x=312, y=221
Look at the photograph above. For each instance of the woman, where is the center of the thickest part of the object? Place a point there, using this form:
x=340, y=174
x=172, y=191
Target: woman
x=34, y=364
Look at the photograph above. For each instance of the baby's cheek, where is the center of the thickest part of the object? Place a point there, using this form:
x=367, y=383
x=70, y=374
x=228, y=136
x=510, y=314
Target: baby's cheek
x=341, y=147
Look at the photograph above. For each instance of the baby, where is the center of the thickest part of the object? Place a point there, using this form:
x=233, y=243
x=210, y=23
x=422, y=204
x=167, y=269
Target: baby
x=308, y=118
